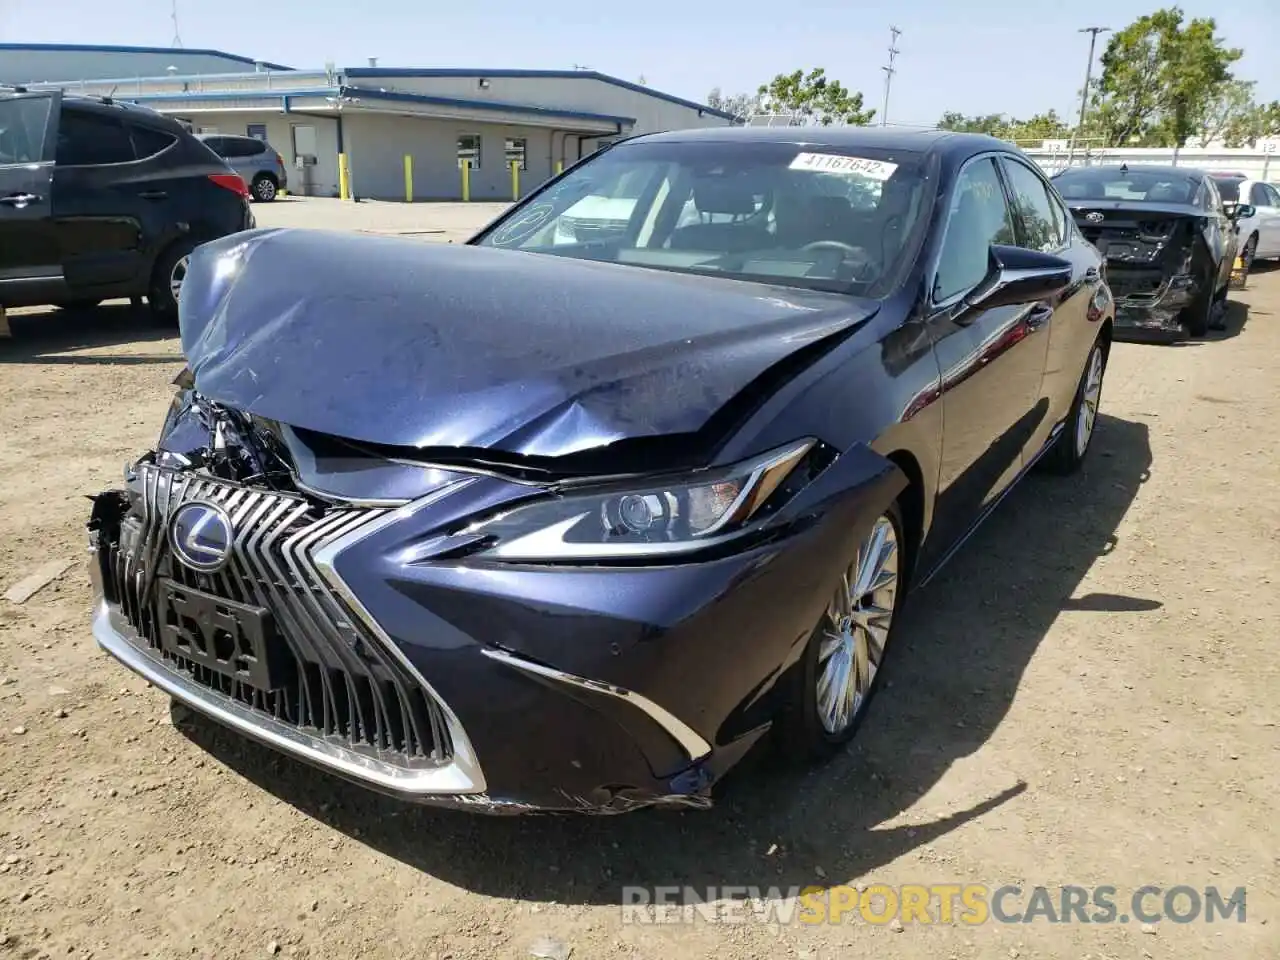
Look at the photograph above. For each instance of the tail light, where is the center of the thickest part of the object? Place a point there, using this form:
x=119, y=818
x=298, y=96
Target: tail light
x=279, y=160
x=230, y=181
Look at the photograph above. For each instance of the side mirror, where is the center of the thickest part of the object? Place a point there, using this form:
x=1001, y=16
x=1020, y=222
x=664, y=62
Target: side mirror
x=1016, y=275
x=1240, y=211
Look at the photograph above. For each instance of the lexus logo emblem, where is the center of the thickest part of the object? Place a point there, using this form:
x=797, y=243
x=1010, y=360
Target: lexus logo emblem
x=201, y=536
x=1094, y=217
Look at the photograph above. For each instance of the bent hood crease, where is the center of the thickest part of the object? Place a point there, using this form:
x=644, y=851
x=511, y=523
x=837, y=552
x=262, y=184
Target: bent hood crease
x=408, y=343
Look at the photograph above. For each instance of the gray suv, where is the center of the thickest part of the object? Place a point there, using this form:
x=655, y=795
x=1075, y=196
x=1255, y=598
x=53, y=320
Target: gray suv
x=261, y=167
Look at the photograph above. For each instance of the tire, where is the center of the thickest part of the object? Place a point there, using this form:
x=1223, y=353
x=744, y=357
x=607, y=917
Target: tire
x=805, y=730
x=1071, y=447
x=1197, y=315
x=163, y=296
x=264, y=188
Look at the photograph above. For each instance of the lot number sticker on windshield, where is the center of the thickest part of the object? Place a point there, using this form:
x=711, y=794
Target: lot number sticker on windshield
x=835, y=163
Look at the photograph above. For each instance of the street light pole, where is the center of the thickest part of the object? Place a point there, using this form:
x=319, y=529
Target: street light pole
x=889, y=71
x=1088, y=75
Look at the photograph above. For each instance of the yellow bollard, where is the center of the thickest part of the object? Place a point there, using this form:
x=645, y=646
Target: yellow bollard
x=344, y=183
x=515, y=179
x=408, y=178
x=559, y=167
x=466, y=180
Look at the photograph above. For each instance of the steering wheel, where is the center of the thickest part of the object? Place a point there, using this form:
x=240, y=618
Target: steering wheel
x=833, y=245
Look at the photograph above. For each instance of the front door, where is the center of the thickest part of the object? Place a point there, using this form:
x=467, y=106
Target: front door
x=991, y=361
x=28, y=242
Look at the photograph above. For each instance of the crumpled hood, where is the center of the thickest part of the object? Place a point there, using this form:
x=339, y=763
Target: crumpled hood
x=407, y=343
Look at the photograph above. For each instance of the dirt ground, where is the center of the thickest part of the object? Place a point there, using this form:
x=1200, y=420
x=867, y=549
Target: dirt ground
x=1088, y=695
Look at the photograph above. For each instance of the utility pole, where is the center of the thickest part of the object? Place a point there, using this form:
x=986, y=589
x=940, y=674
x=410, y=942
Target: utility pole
x=173, y=15
x=1088, y=76
x=889, y=71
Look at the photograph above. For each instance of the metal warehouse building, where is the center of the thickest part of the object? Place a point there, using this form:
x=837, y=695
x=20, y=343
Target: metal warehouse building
x=442, y=119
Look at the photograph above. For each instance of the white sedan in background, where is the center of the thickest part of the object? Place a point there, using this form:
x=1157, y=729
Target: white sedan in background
x=1260, y=233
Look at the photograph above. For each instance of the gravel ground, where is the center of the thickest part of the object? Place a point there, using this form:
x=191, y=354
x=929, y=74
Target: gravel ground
x=1087, y=695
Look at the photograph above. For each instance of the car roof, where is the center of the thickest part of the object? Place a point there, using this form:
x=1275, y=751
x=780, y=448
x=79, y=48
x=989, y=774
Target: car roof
x=919, y=140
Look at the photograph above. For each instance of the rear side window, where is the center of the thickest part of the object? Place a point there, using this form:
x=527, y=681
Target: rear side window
x=1230, y=189
x=22, y=125
x=88, y=139
x=242, y=147
x=217, y=144
x=1259, y=196
x=148, y=142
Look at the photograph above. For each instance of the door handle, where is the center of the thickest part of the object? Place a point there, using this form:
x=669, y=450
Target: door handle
x=1039, y=316
x=154, y=195
x=19, y=199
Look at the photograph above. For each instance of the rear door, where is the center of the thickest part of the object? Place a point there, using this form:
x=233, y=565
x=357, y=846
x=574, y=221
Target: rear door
x=99, y=202
x=28, y=243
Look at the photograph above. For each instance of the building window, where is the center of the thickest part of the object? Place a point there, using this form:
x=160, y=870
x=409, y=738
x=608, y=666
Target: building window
x=469, y=150
x=516, y=152
x=257, y=130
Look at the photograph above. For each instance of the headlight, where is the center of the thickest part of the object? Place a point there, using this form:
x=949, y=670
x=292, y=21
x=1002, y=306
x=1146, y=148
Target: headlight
x=669, y=516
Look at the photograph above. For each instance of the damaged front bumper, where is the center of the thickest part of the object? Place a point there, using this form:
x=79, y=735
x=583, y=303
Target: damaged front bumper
x=357, y=639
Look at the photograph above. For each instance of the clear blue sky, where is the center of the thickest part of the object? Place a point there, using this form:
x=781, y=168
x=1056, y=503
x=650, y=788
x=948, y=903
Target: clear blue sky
x=975, y=56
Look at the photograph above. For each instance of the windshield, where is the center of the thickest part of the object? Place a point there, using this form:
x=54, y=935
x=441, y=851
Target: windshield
x=773, y=212
x=1118, y=183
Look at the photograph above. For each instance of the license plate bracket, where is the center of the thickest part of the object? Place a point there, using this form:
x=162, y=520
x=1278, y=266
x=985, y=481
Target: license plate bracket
x=236, y=640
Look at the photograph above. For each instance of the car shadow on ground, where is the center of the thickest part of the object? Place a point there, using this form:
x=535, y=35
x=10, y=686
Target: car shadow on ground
x=960, y=653
x=50, y=336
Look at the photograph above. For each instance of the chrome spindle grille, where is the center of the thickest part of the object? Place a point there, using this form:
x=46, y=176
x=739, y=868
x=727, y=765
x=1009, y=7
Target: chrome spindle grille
x=346, y=686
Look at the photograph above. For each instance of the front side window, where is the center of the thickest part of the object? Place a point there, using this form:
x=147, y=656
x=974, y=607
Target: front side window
x=1272, y=196
x=1213, y=200
x=90, y=140
x=979, y=217
x=469, y=151
x=22, y=125
x=774, y=212
x=1042, y=227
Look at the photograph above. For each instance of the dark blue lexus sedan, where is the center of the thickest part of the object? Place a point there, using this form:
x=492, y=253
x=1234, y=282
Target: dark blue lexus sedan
x=573, y=515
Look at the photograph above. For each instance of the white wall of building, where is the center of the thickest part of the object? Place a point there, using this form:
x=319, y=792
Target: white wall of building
x=280, y=134
x=377, y=145
x=585, y=94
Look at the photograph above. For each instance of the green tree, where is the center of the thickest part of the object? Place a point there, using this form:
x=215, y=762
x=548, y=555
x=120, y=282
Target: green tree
x=1229, y=113
x=992, y=124
x=813, y=97
x=1042, y=126
x=741, y=105
x=1159, y=76
x=1259, y=120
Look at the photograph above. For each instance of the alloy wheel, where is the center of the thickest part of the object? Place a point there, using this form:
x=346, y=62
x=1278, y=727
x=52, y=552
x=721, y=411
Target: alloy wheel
x=1090, y=397
x=176, y=277
x=856, y=629
x=265, y=189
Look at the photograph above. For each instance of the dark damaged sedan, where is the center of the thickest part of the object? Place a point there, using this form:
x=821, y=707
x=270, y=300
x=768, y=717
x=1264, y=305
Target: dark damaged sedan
x=1168, y=238
x=572, y=516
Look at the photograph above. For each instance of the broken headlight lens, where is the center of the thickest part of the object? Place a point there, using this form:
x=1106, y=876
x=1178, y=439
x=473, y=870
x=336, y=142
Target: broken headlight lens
x=672, y=516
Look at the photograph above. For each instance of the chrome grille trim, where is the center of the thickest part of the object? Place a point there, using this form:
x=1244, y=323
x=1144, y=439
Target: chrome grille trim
x=357, y=694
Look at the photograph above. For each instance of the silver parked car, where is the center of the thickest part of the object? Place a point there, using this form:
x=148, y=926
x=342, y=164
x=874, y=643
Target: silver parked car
x=261, y=167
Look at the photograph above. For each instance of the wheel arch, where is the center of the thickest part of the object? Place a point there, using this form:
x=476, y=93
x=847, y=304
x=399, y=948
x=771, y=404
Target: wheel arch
x=911, y=501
